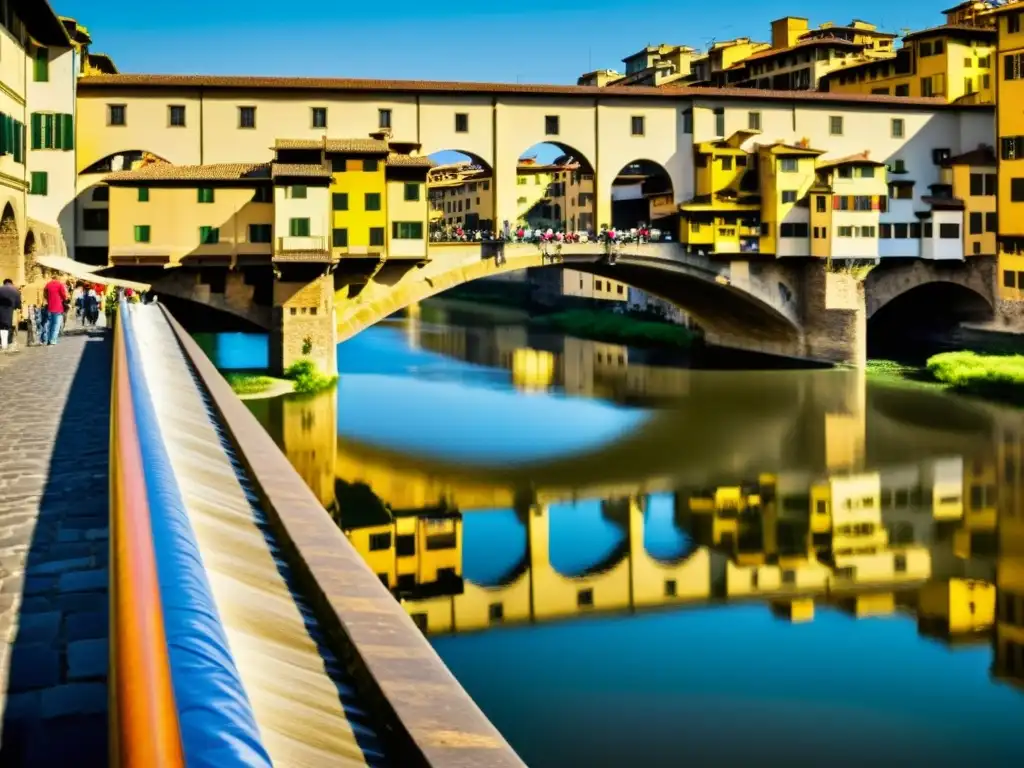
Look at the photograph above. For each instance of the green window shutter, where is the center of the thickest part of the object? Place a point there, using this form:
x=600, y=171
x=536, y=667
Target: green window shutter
x=304, y=227
x=68, y=130
x=214, y=235
x=38, y=184
x=205, y=195
x=372, y=201
x=41, y=72
x=19, y=142
x=416, y=230
x=141, y=233
x=143, y=194
x=394, y=230
x=298, y=227
x=5, y=146
x=204, y=235
x=48, y=131
x=339, y=238
x=37, y=130
x=412, y=191
x=7, y=133
x=339, y=201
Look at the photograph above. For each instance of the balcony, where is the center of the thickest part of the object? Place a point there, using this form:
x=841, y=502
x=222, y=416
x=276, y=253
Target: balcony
x=302, y=248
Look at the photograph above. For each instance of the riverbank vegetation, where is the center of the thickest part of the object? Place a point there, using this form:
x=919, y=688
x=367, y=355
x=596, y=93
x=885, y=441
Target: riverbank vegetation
x=307, y=378
x=993, y=377
x=618, y=328
x=250, y=383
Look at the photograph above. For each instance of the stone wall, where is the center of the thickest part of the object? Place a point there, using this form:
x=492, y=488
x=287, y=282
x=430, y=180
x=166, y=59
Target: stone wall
x=834, y=316
x=893, y=278
x=303, y=323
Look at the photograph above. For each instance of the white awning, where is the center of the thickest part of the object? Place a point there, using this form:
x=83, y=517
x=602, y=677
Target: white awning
x=82, y=271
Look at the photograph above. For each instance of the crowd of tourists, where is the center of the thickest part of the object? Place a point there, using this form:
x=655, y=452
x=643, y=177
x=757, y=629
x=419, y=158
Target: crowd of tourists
x=62, y=305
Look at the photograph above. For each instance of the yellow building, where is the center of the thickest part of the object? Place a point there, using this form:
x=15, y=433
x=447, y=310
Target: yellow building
x=1010, y=137
x=786, y=176
x=712, y=67
x=972, y=176
x=955, y=62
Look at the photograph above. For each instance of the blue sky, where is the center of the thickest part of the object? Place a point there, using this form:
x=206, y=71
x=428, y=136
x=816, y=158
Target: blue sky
x=525, y=41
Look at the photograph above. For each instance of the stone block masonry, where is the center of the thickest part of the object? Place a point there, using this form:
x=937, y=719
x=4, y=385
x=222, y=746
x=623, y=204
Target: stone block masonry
x=55, y=423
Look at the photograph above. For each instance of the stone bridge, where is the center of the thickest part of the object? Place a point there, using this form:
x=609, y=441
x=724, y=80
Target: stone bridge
x=796, y=308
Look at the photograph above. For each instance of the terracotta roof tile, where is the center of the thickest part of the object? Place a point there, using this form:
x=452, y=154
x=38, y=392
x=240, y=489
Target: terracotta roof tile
x=97, y=82
x=358, y=146
x=951, y=30
x=301, y=170
x=816, y=42
x=861, y=158
x=169, y=172
x=984, y=155
x=409, y=161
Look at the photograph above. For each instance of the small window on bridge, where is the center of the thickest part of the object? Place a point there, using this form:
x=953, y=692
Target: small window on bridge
x=551, y=125
x=496, y=612
x=461, y=122
x=384, y=118
x=636, y=125
x=585, y=598
x=405, y=545
x=379, y=541
x=949, y=231
x=1009, y=279
x=670, y=587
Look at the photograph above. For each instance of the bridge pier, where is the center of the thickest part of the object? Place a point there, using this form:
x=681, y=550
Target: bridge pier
x=303, y=324
x=834, y=316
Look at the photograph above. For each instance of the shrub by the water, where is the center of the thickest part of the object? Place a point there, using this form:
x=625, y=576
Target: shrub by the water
x=248, y=383
x=308, y=378
x=999, y=376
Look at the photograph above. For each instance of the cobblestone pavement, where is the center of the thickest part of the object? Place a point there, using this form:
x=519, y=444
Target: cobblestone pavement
x=54, y=431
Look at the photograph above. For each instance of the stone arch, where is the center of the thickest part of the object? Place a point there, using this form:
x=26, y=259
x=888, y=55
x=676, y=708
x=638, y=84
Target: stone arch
x=890, y=281
x=460, y=192
x=555, y=188
x=11, y=255
x=33, y=271
x=121, y=160
x=642, y=191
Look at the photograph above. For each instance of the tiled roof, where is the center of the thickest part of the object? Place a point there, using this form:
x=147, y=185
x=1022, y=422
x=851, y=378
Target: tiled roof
x=815, y=42
x=847, y=28
x=861, y=158
x=301, y=170
x=781, y=148
x=984, y=155
x=169, y=172
x=409, y=161
x=356, y=146
x=97, y=82
x=954, y=30
x=944, y=203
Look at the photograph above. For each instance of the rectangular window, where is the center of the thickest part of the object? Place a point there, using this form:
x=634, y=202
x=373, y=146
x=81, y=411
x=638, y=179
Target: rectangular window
x=726, y=163
x=372, y=201
x=339, y=238
x=247, y=117
x=901, y=231
x=915, y=231
x=143, y=194
x=949, y=231
x=461, y=122
x=205, y=195
x=142, y=233
x=754, y=121
x=688, y=121
x=719, y=121
x=793, y=230
x=41, y=68
x=991, y=222
x=297, y=192
x=636, y=125
x=412, y=191
x=407, y=230
x=1017, y=190
x=384, y=118
x=1013, y=23
x=976, y=222
x=117, y=114
x=100, y=194
x=377, y=236
x=370, y=165
x=65, y=132
x=1009, y=278
x=176, y=116
x=901, y=90
x=263, y=195
x=209, y=235
x=821, y=204
x=835, y=125
x=884, y=231
x=867, y=231
x=298, y=227
x=339, y=201
x=95, y=219
x=319, y=116
x=380, y=541
x=977, y=184
x=260, y=233
x=866, y=172
x=38, y=185
x=990, y=184
x=789, y=196
x=788, y=165
x=551, y=125
x=845, y=232
x=897, y=128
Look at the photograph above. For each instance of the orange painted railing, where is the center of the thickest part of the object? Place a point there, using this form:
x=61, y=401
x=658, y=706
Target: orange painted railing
x=143, y=717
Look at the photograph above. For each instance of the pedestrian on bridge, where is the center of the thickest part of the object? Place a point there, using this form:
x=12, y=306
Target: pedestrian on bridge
x=55, y=296
x=10, y=302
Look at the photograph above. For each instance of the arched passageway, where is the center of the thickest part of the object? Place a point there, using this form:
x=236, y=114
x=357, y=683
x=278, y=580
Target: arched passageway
x=11, y=256
x=460, y=191
x=642, y=196
x=554, y=189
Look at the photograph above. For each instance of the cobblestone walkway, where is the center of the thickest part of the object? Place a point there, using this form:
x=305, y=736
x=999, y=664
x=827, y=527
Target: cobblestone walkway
x=54, y=431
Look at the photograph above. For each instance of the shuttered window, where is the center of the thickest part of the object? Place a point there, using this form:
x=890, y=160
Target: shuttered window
x=52, y=131
x=39, y=183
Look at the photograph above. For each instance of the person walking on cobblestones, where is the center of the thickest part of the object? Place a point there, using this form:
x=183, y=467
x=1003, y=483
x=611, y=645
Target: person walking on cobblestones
x=10, y=302
x=56, y=297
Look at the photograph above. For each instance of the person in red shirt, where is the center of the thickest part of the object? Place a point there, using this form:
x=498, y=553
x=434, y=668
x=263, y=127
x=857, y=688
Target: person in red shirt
x=55, y=296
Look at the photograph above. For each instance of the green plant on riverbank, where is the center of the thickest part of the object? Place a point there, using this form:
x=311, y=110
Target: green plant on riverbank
x=612, y=327
x=250, y=383
x=999, y=377
x=308, y=379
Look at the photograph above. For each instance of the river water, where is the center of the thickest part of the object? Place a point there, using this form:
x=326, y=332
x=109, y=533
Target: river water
x=629, y=561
